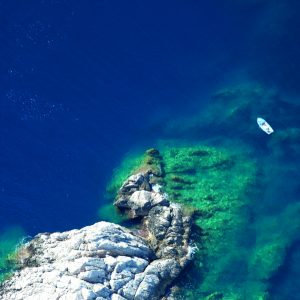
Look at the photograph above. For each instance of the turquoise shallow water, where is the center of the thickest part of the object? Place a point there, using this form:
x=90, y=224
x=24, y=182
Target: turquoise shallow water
x=247, y=225
x=83, y=84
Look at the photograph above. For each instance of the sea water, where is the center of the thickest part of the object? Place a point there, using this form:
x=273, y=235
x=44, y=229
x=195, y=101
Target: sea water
x=84, y=83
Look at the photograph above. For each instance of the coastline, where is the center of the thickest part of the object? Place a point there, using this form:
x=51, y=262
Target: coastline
x=108, y=261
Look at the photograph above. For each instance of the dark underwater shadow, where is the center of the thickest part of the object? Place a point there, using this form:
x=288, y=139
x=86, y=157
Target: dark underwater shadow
x=284, y=284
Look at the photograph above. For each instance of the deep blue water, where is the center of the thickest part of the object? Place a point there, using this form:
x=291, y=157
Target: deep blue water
x=83, y=82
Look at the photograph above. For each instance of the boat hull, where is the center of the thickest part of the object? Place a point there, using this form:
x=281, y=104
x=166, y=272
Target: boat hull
x=264, y=126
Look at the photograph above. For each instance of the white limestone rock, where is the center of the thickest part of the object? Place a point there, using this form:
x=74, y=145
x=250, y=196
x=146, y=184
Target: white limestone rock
x=140, y=202
x=79, y=264
x=107, y=261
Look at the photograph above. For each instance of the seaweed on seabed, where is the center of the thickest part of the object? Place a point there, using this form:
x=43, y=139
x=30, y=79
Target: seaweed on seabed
x=179, y=179
x=200, y=153
x=10, y=241
x=148, y=162
x=215, y=203
x=108, y=212
x=152, y=152
x=22, y=256
x=285, y=281
x=214, y=296
x=272, y=244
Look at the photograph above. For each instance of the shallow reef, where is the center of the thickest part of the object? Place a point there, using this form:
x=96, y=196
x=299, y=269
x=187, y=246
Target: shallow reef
x=9, y=240
x=233, y=183
x=211, y=184
x=132, y=163
x=110, y=213
x=239, y=250
x=214, y=184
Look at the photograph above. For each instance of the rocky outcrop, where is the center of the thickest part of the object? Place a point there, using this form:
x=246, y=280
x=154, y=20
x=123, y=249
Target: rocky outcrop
x=169, y=232
x=108, y=261
x=95, y=262
x=166, y=227
x=137, y=196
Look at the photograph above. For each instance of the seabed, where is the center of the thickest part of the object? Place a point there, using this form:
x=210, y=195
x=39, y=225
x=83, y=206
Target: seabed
x=226, y=173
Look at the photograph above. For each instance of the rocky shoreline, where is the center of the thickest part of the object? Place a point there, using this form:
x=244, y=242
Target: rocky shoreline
x=105, y=260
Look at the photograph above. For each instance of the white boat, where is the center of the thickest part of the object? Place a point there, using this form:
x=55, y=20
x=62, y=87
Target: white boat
x=264, y=125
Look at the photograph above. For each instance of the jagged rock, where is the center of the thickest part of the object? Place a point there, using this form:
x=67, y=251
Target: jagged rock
x=134, y=183
x=149, y=285
x=107, y=261
x=79, y=264
x=152, y=152
x=169, y=232
x=137, y=196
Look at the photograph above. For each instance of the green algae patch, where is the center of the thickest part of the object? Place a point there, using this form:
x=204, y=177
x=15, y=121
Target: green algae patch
x=236, y=257
x=110, y=213
x=239, y=248
x=129, y=164
x=232, y=183
x=275, y=234
x=9, y=241
x=214, y=183
x=150, y=161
